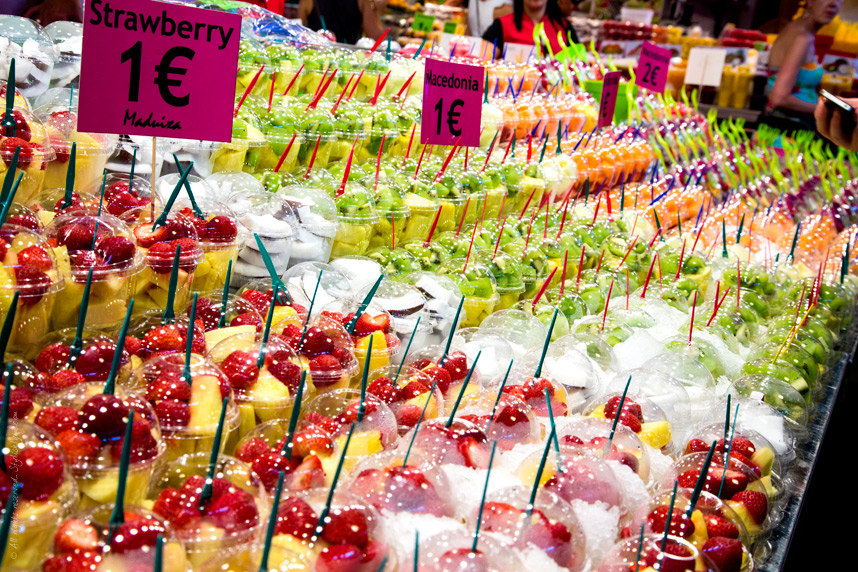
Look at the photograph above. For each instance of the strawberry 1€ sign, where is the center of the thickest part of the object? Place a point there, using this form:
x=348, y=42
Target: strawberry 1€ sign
x=151, y=68
x=452, y=103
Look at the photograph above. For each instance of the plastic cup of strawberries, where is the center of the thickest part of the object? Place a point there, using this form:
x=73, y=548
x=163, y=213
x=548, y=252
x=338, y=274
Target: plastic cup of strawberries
x=219, y=239
x=407, y=396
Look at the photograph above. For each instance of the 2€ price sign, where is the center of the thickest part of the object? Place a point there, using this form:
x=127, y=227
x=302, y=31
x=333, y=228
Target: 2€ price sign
x=150, y=68
x=452, y=103
x=608, y=101
x=653, y=64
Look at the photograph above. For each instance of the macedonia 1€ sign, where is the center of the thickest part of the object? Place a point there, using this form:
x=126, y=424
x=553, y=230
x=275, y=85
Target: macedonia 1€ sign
x=150, y=68
x=452, y=103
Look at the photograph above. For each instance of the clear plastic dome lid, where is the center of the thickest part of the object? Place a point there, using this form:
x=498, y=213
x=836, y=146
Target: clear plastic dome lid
x=67, y=38
x=301, y=281
x=403, y=302
x=524, y=331
x=590, y=435
x=779, y=394
x=35, y=272
x=356, y=206
x=339, y=408
x=24, y=38
x=83, y=241
x=450, y=551
x=314, y=209
x=226, y=184
x=263, y=213
x=360, y=271
x=30, y=135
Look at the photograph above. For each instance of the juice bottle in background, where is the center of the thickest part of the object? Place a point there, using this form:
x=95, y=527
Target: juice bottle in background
x=744, y=77
x=728, y=86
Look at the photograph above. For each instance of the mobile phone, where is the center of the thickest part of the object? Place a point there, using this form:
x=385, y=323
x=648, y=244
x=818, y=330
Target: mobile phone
x=847, y=112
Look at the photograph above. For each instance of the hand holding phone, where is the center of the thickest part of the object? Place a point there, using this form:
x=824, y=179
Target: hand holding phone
x=841, y=130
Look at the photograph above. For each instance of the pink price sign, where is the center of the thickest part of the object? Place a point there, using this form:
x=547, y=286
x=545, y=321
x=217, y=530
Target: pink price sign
x=651, y=72
x=157, y=69
x=608, y=102
x=452, y=103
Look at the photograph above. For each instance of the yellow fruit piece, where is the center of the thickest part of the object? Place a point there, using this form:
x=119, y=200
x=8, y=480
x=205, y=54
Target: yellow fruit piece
x=281, y=313
x=753, y=528
x=362, y=445
x=598, y=412
x=200, y=552
x=700, y=535
x=213, y=337
x=656, y=434
x=764, y=458
x=205, y=404
x=379, y=357
x=96, y=490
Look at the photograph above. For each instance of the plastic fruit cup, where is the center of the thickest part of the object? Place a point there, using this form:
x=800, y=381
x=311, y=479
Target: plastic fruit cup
x=37, y=279
x=377, y=430
x=219, y=239
x=477, y=285
x=357, y=216
x=313, y=461
x=188, y=410
x=93, y=364
x=451, y=551
x=36, y=153
x=442, y=298
x=511, y=422
x=115, y=261
x=42, y=504
x=152, y=284
x=49, y=204
x=507, y=273
x=132, y=205
x=405, y=304
x=652, y=425
x=407, y=404
x=590, y=435
x=234, y=518
x=245, y=148
x=301, y=281
x=103, y=418
x=315, y=223
x=92, y=149
x=462, y=443
x=375, y=325
x=624, y=556
x=130, y=547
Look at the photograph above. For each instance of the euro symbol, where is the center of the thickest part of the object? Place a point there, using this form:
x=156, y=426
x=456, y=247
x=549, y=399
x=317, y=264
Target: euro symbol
x=453, y=117
x=165, y=69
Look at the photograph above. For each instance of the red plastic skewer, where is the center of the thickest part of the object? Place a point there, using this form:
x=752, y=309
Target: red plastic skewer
x=718, y=306
x=596, y=210
x=321, y=83
x=470, y=246
x=447, y=161
x=738, y=283
x=248, y=90
x=529, y=148
x=432, y=228
x=681, y=257
x=491, y=148
x=660, y=273
x=527, y=204
x=607, y=301
x=292, y=81
x=629, y=251
x=506, y=153
x=410, y=141
x=462, y=220
x=340, y=98
x=321, y=94
x=580, y=266
x=354, y=87
x=628, y=288
x=271, y=93
x=313, y=158
x=654, y=238
x=500, y=234
x=608, y=201
x=648, y=276
x=420, y=162
x=404, y=87
x=348, y=168
x=285, y=153
x=543, y=288
x=465, y=168
x=378, y=41
x=379, y=89
x=503, y=206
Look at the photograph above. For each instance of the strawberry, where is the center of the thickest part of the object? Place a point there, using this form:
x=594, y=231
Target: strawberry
x=409, y=415
x=316, y=342
x=180, y=227
x=77, y=562
x=104, y=415
x=326, y=423
x=340, y=558
x=75, y=536
x=324, y=370
x=347, y=525
x=511, y=414
x=4, y=248
x=115, y=250
x=240, y=369
x=24, y=219
x=245, y=319
x=20, y=402
x=251, y=449
x=629, y=420
x=173, y=413
x=309, y=474
x=168, y=385
x=76, y=236
x=475, y=454
x=32, y=282
x=286, y=372
x=411, y=390
x=311, y=440
x=136, y=534
x=726, y=553
x=367, y=324
x=95, y=360
x=40, y=470
x=296, y=517
x=680, y=525
x=78, y=446
x=268, y=466
x=384, y=389
x=756, y=502
x=163, y=338
x=456, y=365
x=697, y=446
x=36, y=256
x=720, y=526
x=628, y=405
x=220, y=229
x=57, y=419
x=740, y=446
x=257, y=299
x=233, y=511
x=7, y=151
x=143, y=444
x=440, y=376
x=146, y=236
x=63, y=379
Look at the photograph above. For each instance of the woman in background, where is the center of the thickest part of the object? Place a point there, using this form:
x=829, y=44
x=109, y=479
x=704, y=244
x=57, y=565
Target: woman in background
x=526, y=14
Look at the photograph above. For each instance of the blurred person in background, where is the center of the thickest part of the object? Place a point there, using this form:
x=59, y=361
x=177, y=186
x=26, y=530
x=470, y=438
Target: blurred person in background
x=347, y=19
x=44, y=11
x=794, y=73
x=526, y=14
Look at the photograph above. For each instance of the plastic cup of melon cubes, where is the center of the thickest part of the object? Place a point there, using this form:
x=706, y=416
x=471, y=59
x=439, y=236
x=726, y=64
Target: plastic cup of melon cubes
x=105, y=418
x=37, y=280
x=188, y=410
x=115, y=261
x=37, y=515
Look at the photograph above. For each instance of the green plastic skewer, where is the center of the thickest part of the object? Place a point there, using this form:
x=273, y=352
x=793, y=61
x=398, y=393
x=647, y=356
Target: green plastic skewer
x=417, y=549
x=498, y=398
x=617, y=417
x=327, y=508
x=542, y=153
x=417, y=53
x=272, y=524
x=134, y=165
x=669, y=516
x=206, y=493
x=741, y=224
x=310, y=311
x=100, y=200
x=10, y=198
x=538, y=371
x=350, y=327
x=640, y=548
x=483, y=501
x=158, y=565
x=539, y=471
x=276, y=282
x=8, y=517
x=729, y=449
x=419, y=420
x=77, y=343
x=4, y=412
x=622, y=196
x=110, y=386
x=293, y=419
x=363, y=380
x=189, y=339
x=794, y=242
x=408, y=347
x=196, y=208
x=701, y=480
x=727, y=418
x=169, y=315
x=723, y=239
x=260, y=359
x=462, y=391
x=383, y=564
x=8, y=122
x=162, y=218
x=452, y=329
x=553, y=429
x=10, y=174
x=8, y=324
x=67, y=197
x=117, y=517
x=224, y=298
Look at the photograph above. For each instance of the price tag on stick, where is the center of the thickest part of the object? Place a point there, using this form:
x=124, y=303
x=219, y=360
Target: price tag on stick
x=157, y=69
x=608, y=102
x=452, y=103
x=422, y=22
x=651, y=72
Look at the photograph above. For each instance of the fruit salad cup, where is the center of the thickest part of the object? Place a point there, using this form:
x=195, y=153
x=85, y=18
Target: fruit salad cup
x=104, y=244
x=36, y=152
x=92, y=435
x=263, y=393
x=315, y=223
x=57, y=371
x=442, y=299
x=477, y=285
x=188, y=410
x=28, y=266
x=230, y=520
x=511, y=422
x=48, y=492
x=152, y=284
x=643, y=418
x=374, y=324
x=462, y=443
x=679, y=555
x=405, y=304
x=88, y=540
x=92, y=149
x=450, y=551
x=357, y=215
x=243, y=152
x=508, y=275
x=407, y=395
x=31, y=47
x=68, y=43
x=132, y=205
